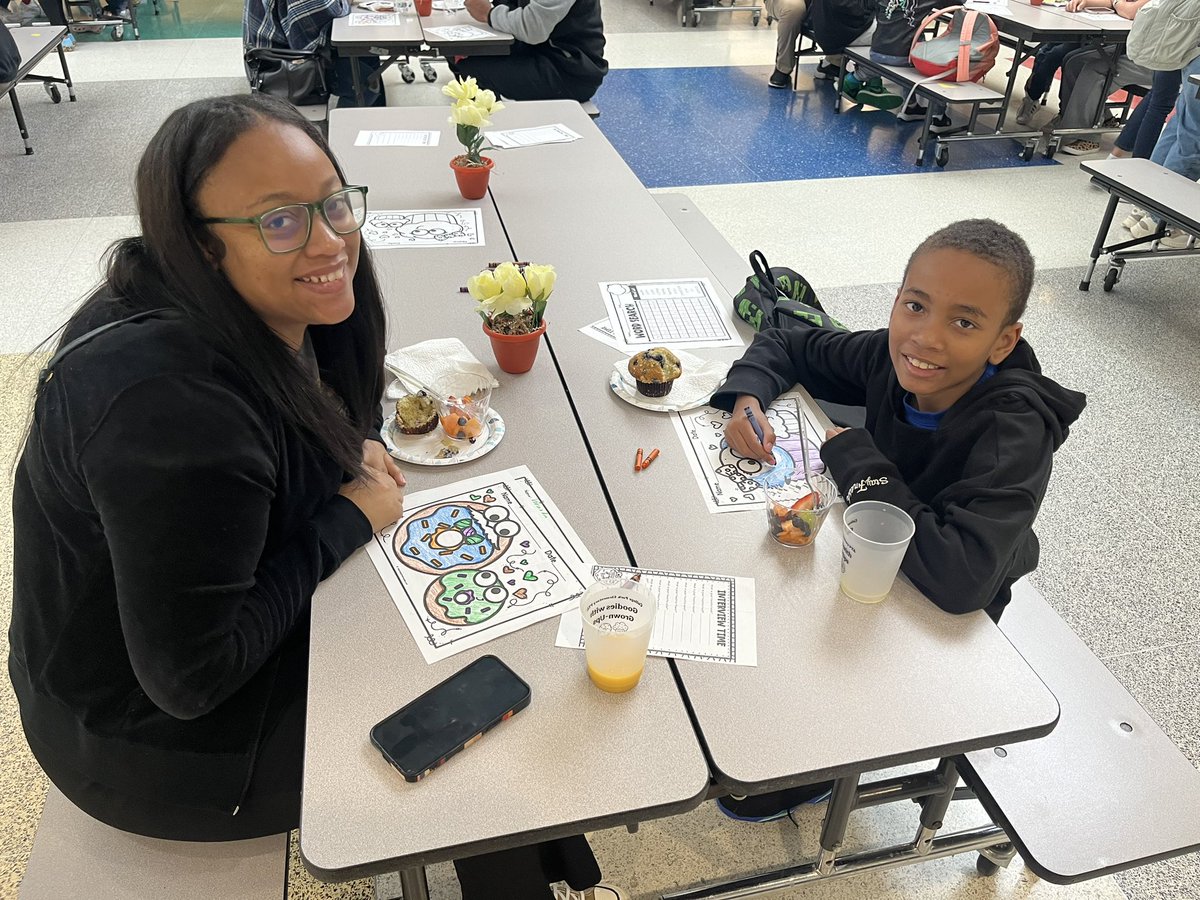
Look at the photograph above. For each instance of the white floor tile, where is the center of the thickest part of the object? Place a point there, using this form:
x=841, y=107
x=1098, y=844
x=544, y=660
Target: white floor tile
x=691, y=47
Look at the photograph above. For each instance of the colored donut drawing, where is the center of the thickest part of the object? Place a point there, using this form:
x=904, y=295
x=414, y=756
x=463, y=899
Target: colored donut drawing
x=466, y=597
x=449, y=536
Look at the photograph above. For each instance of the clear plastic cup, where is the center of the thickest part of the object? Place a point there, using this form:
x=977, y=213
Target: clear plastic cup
x=463, y=404
x=618, y=619
x=874, y=540
x=794, y=513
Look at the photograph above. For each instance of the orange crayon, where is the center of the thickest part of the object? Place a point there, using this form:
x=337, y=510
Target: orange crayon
x=637, y=463
x=649, y=459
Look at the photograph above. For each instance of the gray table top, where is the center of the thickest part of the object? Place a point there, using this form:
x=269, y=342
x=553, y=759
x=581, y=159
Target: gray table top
x=406, y=34
x=409, y=34
x=1149, y=184
x=563, y=765
x=1021, y=19
x=500, y=42
x=35, y=43
x=839, y=687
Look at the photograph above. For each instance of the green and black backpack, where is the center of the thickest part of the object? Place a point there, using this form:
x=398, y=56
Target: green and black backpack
x=778, y=297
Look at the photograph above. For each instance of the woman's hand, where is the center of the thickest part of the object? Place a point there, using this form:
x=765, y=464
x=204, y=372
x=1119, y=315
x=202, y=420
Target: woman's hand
x=380, y=493
x=740, y=435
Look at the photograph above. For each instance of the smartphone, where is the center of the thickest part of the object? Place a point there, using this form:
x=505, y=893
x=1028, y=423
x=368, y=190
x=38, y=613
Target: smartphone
x=450, y=717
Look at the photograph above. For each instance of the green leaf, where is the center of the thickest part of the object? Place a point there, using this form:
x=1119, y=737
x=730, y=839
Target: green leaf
x=539, y=307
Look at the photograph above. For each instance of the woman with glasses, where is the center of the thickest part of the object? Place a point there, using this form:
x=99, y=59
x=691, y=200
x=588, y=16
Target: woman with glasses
x=204, y=450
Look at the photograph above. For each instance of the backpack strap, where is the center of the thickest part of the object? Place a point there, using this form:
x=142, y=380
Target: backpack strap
x=965, y=35
x=48, y=372
x=762, y=271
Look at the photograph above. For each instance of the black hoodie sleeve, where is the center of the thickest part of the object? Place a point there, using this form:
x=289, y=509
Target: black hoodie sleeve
x=182, y=474
x=965, y=545
x=831, y=365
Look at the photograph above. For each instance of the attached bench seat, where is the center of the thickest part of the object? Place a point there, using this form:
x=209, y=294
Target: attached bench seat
x=1105, y=791
x=76, y=856
x=1169, y=196
x=979, y=97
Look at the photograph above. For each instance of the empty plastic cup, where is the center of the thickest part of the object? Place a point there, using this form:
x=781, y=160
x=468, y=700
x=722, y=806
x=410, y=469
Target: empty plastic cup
x=618, y=618
x=874, y=540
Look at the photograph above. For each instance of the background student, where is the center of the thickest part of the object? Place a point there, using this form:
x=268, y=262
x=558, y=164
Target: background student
x=558, y=53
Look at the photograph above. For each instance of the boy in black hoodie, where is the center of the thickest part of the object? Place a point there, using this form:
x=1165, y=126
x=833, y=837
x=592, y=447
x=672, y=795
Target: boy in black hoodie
x=960, y=423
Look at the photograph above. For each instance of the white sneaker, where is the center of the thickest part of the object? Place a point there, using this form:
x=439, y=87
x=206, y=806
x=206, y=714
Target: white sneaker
x=602, y=891
x=1144, y=227
x=1135, y=215
x=1176, y=239
x=1028, y=110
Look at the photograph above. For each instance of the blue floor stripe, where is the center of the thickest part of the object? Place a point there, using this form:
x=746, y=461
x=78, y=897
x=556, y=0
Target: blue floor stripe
x=723, y=125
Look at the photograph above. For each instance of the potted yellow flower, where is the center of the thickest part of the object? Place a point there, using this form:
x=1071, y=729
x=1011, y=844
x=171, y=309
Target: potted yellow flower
x=512, y=300
x=470, y=114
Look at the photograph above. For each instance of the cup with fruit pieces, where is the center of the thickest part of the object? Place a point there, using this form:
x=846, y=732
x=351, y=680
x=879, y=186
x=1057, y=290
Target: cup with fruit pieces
x=796, y=511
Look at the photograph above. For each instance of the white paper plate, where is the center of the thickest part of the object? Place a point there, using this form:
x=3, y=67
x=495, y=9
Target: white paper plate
x=680, y=398
x=435, y=449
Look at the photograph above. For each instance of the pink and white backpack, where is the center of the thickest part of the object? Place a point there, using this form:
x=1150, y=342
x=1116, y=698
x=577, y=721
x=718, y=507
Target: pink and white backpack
x=965, y=51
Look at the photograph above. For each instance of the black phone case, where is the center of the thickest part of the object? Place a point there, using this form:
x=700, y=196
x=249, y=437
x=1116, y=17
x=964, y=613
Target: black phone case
x=415, y=776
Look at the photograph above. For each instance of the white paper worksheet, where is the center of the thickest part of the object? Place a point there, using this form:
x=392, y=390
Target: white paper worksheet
x=389, y=228
x=460, y=33
x=709, y=618
x=397, y=139
x=478, y=559
x=529, y=137
x=682, y=312
x=602, y=331
x=730, y=482
x=364, y=19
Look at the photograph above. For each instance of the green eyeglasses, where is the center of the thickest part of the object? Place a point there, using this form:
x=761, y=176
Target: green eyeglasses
x=287, y=229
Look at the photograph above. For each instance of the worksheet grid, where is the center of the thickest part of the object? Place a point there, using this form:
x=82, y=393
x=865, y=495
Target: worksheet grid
x=681, y=319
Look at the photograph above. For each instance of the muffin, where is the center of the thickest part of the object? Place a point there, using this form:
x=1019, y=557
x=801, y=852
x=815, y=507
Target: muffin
x=655, y=371
x=416, y=414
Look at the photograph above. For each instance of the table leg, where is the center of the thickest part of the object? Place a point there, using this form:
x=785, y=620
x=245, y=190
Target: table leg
x=12, y=96
x=62, y=58
x=1098, y=244
x=358, y=85
x=411, y=884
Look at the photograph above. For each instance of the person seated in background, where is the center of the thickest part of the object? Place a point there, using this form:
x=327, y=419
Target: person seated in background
x=558, y=53
x=11, y=12
x=1087, y=72
x=305, y=25
x=896, y=24
x=834, y=25
x=1046, y=62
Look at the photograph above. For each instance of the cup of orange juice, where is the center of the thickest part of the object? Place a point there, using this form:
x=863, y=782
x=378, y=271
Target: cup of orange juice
x=618, y=619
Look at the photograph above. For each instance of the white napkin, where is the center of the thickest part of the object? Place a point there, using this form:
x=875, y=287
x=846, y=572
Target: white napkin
x=429, y=362
x=700, y=378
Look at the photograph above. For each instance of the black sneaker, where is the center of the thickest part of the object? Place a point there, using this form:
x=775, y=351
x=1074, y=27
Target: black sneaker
x=780, y=79
x=913, y=112
x=827, y=71
x=940, y=124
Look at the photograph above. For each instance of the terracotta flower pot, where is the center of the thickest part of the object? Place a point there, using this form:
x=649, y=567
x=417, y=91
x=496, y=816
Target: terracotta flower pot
x=515, y=353
x=472, y=180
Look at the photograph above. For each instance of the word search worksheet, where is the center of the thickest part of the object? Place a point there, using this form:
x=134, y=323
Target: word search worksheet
x=681, y=312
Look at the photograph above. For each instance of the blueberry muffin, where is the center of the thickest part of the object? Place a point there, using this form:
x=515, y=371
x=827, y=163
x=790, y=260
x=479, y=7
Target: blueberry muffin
x=416, y=414
x=655, y=371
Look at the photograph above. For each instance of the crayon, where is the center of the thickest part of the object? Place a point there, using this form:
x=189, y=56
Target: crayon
x=637, y=463
x=649, y=459
x=758, y=432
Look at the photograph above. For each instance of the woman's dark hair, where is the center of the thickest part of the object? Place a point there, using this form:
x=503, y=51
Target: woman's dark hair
x=171, y=266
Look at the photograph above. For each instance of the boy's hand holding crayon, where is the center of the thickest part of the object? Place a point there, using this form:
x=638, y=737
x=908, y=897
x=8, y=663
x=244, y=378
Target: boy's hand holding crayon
x=743, y=437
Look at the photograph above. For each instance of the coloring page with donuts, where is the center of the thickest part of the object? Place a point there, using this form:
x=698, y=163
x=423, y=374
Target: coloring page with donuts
x=478, y=559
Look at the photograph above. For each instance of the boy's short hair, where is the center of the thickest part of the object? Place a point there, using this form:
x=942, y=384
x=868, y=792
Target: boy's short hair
x=995, y=243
